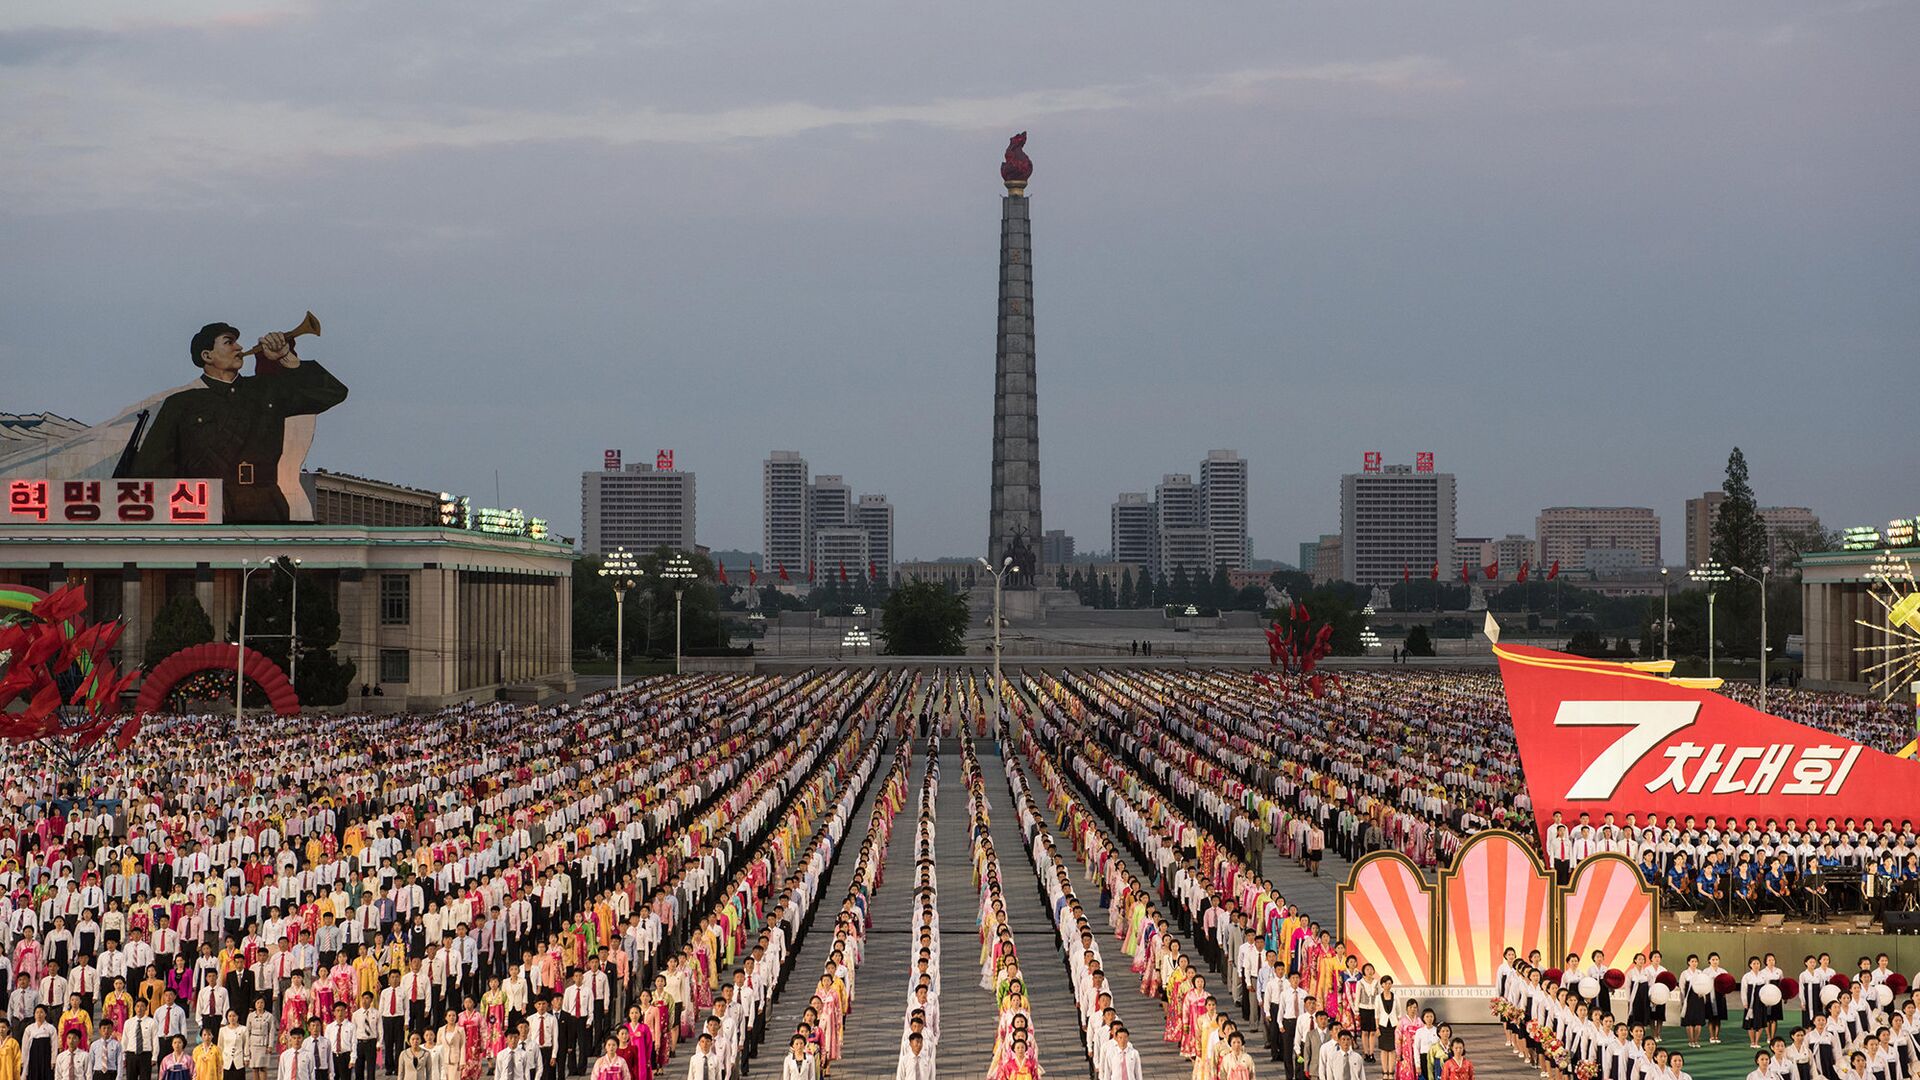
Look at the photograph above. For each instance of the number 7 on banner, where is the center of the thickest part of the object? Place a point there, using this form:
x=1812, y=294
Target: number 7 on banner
x=1647, y=723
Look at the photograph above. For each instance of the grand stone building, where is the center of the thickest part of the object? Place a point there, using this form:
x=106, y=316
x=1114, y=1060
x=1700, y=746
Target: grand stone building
x=1835, y=589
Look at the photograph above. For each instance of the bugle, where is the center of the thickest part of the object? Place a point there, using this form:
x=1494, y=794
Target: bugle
x=308, y=325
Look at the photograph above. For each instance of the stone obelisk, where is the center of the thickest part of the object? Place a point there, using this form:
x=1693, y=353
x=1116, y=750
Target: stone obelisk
x=1014, y=517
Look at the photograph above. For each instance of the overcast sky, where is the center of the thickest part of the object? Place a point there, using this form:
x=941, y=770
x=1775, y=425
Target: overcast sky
x=1576, y=250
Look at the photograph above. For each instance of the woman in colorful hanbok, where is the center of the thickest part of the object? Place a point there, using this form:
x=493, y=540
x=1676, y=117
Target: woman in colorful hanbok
x=654, y=1021
x=633, y=1052
x=473, y=1038
x=296, y=1006
x=1406, y=1065
x=1194, y=1007
x=609, y=1065
x=1018, y=1063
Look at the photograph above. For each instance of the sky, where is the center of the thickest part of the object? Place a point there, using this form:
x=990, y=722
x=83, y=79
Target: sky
x=1577, y=251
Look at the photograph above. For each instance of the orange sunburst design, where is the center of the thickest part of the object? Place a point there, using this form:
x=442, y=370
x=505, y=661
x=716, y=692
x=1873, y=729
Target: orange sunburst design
x=1608, y=906
x=1386, y=917
x=1497, y=895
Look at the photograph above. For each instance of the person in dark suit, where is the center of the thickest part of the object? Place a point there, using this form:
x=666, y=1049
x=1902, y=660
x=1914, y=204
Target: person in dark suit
x=232, y=427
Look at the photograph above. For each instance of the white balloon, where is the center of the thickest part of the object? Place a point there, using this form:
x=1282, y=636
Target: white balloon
x=1769, y=995
x=1589, y=987
x=1883, y=994
x=1829, y=994
x=1658, y=993
x=1701, y=983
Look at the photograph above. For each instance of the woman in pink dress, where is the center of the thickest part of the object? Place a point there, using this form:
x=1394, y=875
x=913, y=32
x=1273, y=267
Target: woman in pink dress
x=608, y=1065
x=632, y=1055
x=1195, y=1006
x=830, y=1017
x=296, y=1008
x=474, y=1038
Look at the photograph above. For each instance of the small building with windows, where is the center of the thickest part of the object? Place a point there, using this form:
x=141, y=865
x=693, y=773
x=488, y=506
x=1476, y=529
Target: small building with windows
x=438, y=603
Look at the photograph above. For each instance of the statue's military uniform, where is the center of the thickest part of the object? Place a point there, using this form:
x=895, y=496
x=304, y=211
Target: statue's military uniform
x=234, y=432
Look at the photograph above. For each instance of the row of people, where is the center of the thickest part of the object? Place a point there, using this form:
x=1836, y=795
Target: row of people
x=1016, y=1049
x=920, y=1018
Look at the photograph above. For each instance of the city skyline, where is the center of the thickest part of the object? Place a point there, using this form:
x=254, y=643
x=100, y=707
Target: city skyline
x=1576, y=259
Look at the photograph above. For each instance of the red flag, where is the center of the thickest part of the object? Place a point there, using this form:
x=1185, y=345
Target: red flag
x=1406, y=575
x=1435, y=572
x=1523, y=571
x=1465, y=574
x=753, y=576
x=1491, y=571
x=843, y=571
x=782, y=567
x=873, y=570
x=1554, y=570
x=720, y=572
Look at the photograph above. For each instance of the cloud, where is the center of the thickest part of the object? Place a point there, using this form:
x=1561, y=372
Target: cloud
x=126, y=15
x=148, y=143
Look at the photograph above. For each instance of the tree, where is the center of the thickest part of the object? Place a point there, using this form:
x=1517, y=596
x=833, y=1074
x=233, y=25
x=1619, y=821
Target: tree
x=321, y=677
x=1219, y=589
x=924, y=619
x=1419, y=642
x=1060, y=578
x=1126, y=587
x=1106, y=591
x=182, y=622
x=702, y=630
x=1181, y=591
x=1739, y=539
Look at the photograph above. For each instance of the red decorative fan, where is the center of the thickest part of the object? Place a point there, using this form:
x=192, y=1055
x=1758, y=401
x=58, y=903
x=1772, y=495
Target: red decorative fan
x=1551, y=975
x=1667, y=979
x=1897, y=983
x=1616, y=978
x=1843, y=982
x=1789, y=987
x=1725, y=983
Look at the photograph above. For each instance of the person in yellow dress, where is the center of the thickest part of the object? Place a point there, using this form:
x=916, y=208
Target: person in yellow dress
x=206, y=1057
x=9, y=1053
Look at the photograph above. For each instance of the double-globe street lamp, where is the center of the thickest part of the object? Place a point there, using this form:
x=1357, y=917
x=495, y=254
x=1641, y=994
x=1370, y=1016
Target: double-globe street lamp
x=248, y=568
x=1712, y=575
x=678, y=572
x=1766, y=572
x=999, y=579
x=623, y=572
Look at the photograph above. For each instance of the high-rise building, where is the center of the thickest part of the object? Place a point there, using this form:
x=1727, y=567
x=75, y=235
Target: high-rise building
x=875, y=514
x=1700, y=515
x=1782, y=522
x=829, y=503
x=1785, y=523
x=1180, y=528
x=1223, y=496
x=1308, y=551
x=841, y=550
x=1472, y=552
x=1393, y=520
x=1566, y=533
x=1056, y=548
x=1134, y=521
x=638, y=508
x=1512, y=551
x=1325, y=566
x=783, y=493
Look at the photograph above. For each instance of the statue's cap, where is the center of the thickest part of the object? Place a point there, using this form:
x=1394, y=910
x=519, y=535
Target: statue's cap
x=204, y=340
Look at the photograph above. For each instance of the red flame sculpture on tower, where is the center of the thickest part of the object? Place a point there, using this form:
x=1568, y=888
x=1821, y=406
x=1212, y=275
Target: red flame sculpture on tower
x=1018, y=167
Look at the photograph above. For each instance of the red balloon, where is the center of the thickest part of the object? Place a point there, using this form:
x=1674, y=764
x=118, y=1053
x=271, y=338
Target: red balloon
x=1667, y=980
x=1790, y=987
x=1725, y=983
x=1616, y=978
x=1843, y=982
x=1897, y=983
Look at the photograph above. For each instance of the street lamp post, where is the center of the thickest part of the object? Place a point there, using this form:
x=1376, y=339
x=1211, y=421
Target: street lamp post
x=1712, y=575
x=1766, y=571
x=248, y=568
x=620, y=569
x=999, y=578
x=678, y=572
x=292, y=567
x=1666, y=623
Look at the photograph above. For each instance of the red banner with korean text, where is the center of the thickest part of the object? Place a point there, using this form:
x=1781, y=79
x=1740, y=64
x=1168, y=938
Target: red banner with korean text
x=1596, y=736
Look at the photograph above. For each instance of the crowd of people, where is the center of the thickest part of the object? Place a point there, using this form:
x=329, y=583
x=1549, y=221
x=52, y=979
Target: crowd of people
x=1864, y=1026
x=617, y=889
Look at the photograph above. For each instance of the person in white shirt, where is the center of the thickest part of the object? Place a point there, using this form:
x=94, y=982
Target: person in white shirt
x=796, y=1065
x=73, y=1063
x=1122, y=1058
x=515, y=1061
x=232, y=1040
x=916, y=1060
x=703, y=1063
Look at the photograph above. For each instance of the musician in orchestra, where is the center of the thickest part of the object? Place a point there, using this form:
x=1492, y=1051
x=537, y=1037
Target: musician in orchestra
x=232, y=427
